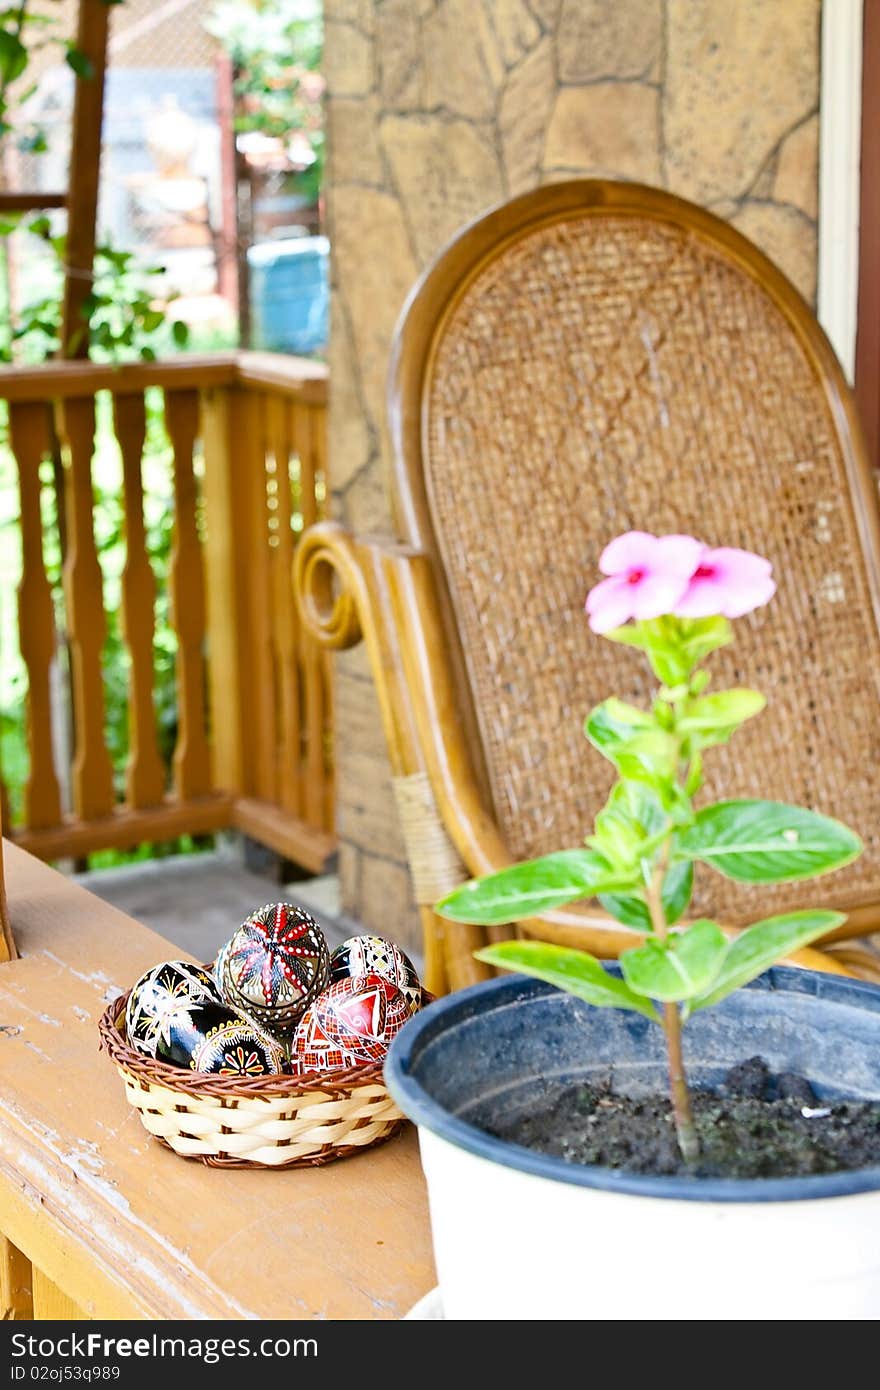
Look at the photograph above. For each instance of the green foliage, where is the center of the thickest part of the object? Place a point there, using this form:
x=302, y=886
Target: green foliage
x=640, y=859
x=527, y=890
x=121, y=313
x=276, y=47
x=698, y=966
x=574, y=971
x=760, y=946
x=680, y=968
x=766, y=841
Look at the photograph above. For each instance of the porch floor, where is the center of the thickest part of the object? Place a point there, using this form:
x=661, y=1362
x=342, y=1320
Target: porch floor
x=198, y=900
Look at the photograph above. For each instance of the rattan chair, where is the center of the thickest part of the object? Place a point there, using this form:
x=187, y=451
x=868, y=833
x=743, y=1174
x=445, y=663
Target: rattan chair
x=588, y=358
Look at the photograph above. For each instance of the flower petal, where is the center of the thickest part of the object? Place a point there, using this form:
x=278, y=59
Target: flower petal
x=677, y=554
x=657, y=593
x=735, y=582
x=750, y=596
x=610, y=604
x=704, y=598
x=633, y=550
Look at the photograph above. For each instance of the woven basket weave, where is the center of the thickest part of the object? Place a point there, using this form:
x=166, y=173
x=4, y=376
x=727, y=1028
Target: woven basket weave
x=262, y=1122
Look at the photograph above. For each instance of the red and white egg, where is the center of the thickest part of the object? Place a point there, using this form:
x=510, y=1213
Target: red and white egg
x=350, y=1024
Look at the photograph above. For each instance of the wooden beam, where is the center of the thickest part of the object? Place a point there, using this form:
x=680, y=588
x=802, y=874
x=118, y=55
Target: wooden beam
x=310, y=848
x=31, y=202
x=85, y=171
x=126, y=828
x=297, y=377
x=55, y=381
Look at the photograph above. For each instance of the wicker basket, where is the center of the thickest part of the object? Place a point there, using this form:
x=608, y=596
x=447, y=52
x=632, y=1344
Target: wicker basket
x=263, y=1122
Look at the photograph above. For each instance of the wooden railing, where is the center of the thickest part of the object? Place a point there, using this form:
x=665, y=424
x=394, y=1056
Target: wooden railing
x=253, y=747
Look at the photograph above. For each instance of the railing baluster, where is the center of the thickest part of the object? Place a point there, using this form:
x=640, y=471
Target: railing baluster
x=256, y=550
x=317, y=805
x=286, y=624
x=192, y=768
x=29, y=437
x=92, y=772
x=145, y=773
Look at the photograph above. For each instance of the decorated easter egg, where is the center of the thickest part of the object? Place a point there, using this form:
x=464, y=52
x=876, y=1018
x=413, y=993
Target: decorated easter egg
x=351, y=1023
x=374, y=955
x=219, y=966
x=275, y=965
x=159, y=995
x=210, y=1037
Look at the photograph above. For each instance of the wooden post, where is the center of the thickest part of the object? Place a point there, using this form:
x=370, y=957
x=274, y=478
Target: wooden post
x=51, y=1304
x=85, y=170
x=16, y=1296
x=7, y=941
x=224, y=425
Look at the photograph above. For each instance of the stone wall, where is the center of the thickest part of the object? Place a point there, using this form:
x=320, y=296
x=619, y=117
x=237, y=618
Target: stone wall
x=440, y=108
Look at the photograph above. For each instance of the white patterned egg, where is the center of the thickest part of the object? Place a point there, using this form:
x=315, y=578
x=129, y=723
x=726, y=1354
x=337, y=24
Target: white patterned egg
x=159, y=996
x=374, y=955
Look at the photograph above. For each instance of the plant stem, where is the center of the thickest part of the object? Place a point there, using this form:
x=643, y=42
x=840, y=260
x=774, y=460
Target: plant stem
x=688, y=1142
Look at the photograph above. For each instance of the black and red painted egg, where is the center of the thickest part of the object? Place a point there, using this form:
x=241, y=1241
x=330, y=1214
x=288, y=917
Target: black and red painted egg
x=350, y=1024
x=375, y=955
x=275, y=965
x=159, y=996
x=213, y=1038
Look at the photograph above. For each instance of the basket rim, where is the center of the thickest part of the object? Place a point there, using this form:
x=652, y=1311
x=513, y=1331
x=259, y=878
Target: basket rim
x=150, y=1071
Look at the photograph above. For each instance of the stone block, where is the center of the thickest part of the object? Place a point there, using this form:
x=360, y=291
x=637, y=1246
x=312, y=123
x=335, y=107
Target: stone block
x=348, y=60
x=525, y=109
x=400, y=56
x=352, y=140
x=516, y=28
x=608, y=127
x=738, y=77
x=446, y=172
x=464, y=64
x=609, y=38
x=797, y=170
x=787, y=237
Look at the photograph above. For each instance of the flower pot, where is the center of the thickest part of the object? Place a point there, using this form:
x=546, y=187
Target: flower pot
x=520, y=1235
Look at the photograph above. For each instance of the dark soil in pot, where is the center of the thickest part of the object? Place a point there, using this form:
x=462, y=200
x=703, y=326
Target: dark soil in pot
x=756, y=1125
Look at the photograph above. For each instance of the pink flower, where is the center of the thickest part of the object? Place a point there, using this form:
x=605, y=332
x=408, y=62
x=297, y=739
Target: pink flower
x=648, y=576
x=729, y=582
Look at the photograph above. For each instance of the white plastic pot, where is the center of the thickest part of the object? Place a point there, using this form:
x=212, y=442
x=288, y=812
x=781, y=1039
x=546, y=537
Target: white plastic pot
x=519, y=1235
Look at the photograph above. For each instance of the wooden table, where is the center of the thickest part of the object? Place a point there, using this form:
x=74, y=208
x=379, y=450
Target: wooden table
x=118, y=1227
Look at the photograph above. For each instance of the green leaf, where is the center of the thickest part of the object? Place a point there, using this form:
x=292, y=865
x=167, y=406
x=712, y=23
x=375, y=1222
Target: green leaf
x=700, y=637
x=766, y=841
x=633, y=912
x=758, y=947
x=13, y=56
x=39, y=226
x=576, y=972
x=80, y=62
x=728, y=709
x=630, y=739
x=527, y=890
x=180, y=332
x=683, y=966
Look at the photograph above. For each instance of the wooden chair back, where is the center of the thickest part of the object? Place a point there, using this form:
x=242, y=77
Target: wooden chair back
x=594, y=357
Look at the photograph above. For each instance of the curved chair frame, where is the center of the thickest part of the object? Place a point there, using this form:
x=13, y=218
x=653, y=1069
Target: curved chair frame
x=394, y=594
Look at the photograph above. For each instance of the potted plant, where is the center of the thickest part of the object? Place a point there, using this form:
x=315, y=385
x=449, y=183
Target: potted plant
x=553, y=1156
